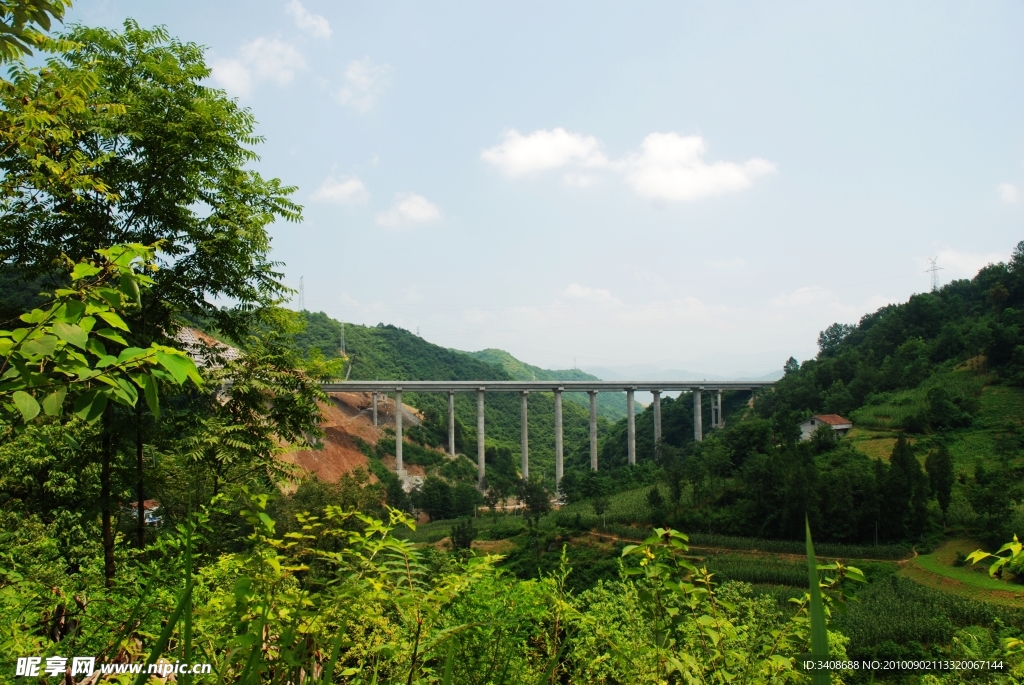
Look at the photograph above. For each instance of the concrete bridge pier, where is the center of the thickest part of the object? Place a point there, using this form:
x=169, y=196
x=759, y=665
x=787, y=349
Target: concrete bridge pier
x=480, y=437
x=524, y=435
x=451, y=422
x=657, y=416
x=593, y=429
x=374, y=409
x=631, y=423
x=698, y=417
x=399, y=469
x=558, y=437
x=721, y=419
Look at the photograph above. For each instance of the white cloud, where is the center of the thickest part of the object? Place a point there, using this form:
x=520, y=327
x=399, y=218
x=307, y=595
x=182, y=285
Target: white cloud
x=344, y=191
x=1008, y=193
x=314, y=24
x=518, y=155
x=364, y=84
x=409, y=209
x=263, y=59
x=669, y=167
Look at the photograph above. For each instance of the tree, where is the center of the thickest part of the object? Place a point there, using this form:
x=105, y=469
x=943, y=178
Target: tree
x=939, y=466
x=24, y=23
x=62, y=351
x=465, y=499
x=535, y=496
x=601, y=503
x=159, y=157
x=829, y=339
x=824, y=439
x=434, y=498
x=117, y=140
x=904, y=494
x=462, y=534
x=266, y=400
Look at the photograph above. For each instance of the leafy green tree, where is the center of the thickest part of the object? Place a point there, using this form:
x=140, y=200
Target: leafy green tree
x=186, y=185
x=904, y=494
x=535, y=496
x=465, y=499
x=63, y=351
x=601, y=504
x=462, y=534
x=824, y=439
x=434, y=498
x=64, y=346
x=25, y=23
x=829, y=339
x=939, y=466
x=267, y=399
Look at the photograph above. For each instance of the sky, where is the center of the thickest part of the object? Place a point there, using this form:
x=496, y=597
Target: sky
x=698, y=185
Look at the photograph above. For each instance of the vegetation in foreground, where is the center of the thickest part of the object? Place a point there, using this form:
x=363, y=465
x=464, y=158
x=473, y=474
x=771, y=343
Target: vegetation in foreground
x=128, y=203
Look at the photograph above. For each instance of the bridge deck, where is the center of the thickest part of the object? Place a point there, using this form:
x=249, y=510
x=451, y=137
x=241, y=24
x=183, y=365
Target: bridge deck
x=539, y=386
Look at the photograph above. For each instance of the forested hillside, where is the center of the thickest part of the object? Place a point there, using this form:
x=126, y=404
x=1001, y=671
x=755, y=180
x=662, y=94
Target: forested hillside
x=388, y=353
x=611, y=406
x=933, y=387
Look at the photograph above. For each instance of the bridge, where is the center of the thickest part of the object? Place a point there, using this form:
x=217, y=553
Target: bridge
x=524, y=388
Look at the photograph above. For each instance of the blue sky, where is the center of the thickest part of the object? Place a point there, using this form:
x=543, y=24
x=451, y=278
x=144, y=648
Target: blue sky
x=682, y=185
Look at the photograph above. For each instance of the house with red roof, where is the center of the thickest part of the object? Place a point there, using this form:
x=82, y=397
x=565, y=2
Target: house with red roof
x=837, y=422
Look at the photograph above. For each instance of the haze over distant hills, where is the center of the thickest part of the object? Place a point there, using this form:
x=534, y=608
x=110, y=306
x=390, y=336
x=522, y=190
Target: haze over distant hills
x=644, y=372
x=610, y=405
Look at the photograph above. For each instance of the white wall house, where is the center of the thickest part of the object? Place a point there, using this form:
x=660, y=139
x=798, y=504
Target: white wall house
x=838, y=423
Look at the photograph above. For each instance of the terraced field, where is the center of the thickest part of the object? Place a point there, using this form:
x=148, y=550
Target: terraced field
x=938, y=571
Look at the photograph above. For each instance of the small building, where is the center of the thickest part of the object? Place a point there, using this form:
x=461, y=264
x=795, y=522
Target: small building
x=837, y=422
x=151, y=507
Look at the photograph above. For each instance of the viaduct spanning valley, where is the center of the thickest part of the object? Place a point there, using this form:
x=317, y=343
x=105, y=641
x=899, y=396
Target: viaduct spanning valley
x=524, y=388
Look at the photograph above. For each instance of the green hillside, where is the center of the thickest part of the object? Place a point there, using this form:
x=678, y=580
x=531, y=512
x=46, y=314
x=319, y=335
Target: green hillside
x=611, y=406
x=942, y=374
x=387, y=352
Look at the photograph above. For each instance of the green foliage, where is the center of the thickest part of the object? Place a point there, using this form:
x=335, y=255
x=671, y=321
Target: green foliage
x=440, y=500
x=611, y=406
x=24, y=23
x=463, y=533
x=189, y=186
x=939, y=466
x=895, y=618
x=64, y=347
x=535, y=496
x=1009, y=555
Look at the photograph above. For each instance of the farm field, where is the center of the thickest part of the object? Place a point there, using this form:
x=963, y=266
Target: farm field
x=937, y=571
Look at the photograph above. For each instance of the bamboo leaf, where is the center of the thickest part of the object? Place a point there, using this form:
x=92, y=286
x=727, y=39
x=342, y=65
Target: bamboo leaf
x=819, y=631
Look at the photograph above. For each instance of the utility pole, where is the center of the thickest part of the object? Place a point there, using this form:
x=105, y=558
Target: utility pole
x=934, y=270
x=302, y=293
